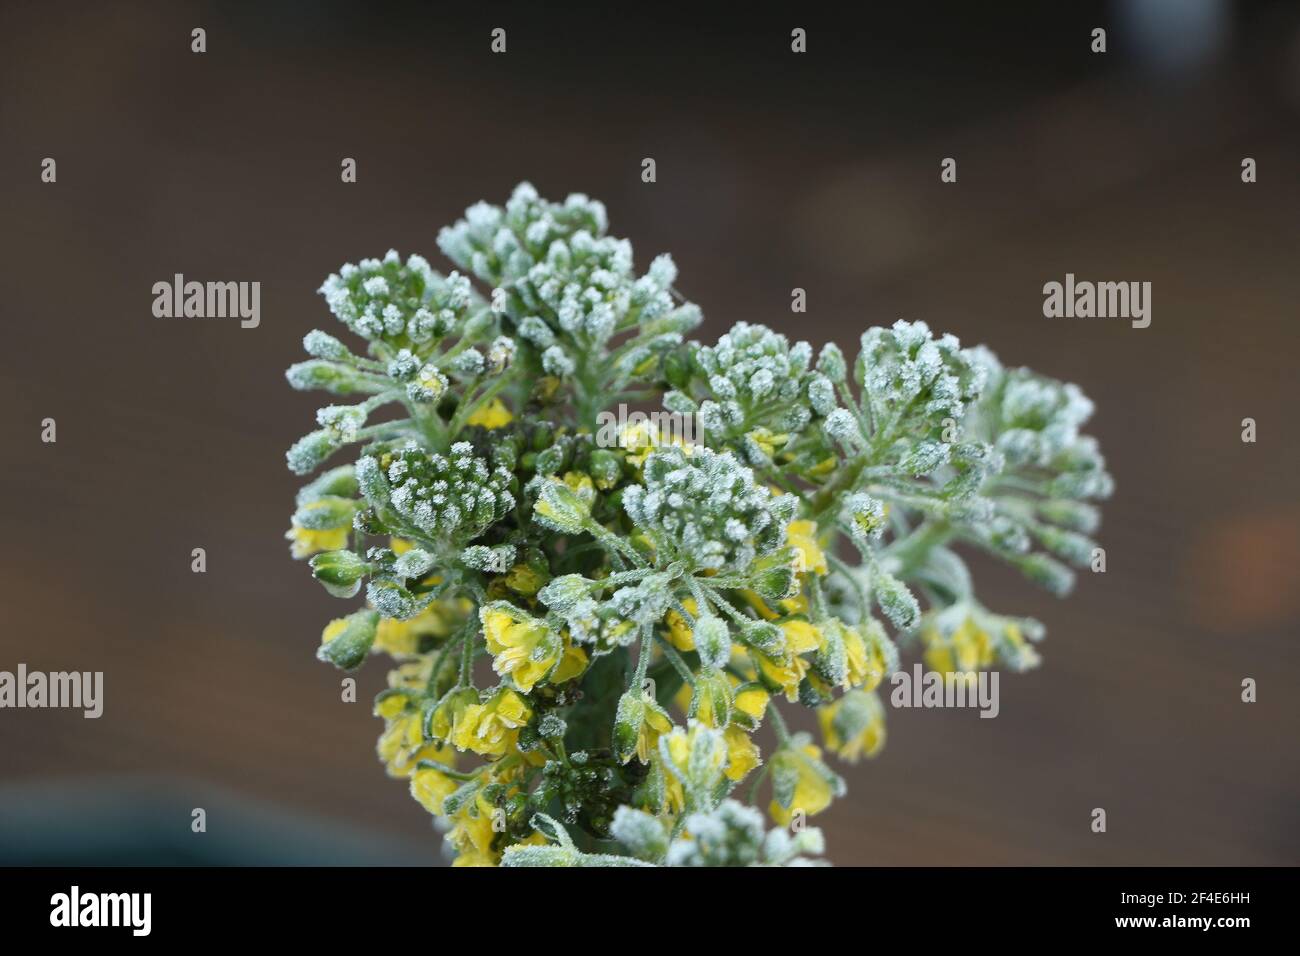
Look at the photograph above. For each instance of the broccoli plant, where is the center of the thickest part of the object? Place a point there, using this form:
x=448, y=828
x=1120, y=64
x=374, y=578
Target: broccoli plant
x=594, y=628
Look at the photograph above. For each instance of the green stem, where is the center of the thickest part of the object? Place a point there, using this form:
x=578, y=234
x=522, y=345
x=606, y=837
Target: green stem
x=910, y=553
x=676, y=660
x=779, y=724
x=467, y=659
x=643, y=658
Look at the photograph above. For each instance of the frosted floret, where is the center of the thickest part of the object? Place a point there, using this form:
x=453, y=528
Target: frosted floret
x=1034, y=422
x=533, y=330
x=756, y=380
x=501, y=353
x=469, y=363
x=729, y=835
x=389, y=300
x=841, y=426
x=556, y=362
x=562, y=268
x=706, y=509
x=907, y=372
x=403, y=365
x=821, y=394
x=452, y=497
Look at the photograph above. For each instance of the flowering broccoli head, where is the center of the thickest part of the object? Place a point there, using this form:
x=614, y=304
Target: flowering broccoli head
x=596, y=630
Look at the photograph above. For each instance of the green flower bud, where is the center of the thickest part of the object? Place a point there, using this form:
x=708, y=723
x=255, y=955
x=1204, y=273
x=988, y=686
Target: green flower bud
x=558, y=507
x=1074, y=515
x=372, y=482
x=773, y=575
x=712, y=641
x=605, y=467
x=711, y=702
x=341, y=572
x=322, y=345
x=346, y=641
x=896, y=601
x=831, y=363
x=392, y=600
x=551, y=460
x=338, y=482
x=325, y=513
x=415, y=563
x=310, y=451
x=764, y=636
x=627, y=724
x=1047, y=573
x=326, y=376
x=563, y=594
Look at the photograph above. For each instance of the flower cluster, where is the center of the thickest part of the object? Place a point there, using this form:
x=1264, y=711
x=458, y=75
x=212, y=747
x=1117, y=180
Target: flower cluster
x=595, y=643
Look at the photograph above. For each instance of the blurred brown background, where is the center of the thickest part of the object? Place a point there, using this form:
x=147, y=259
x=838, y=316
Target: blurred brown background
x=774, y=171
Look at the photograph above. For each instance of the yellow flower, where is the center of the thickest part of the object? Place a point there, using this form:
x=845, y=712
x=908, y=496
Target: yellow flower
x=784, y=673
x=969, y=648
x=524, y=580
x=802, y=536
x=853, y=726
x=430, y=786
x=492, y=729
x=711, y=701
x=639, y=439
x=402, y=745
x=742, y=753
x=473, y=833
x=801, y=636
x=304, y=542
x=432, y=381
x=680, y=634
x=654, y=723
x=573, y=662
x=674, y=793
x=813, y=787
x=767, y=440
x=493, y=415
x=402, y=638
x=866, y=661
x=523, y=647
x=751, y=700
x=450, y=712
x=823, y=467
x=795, y=605
x=681, y=743
x=333, y=629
